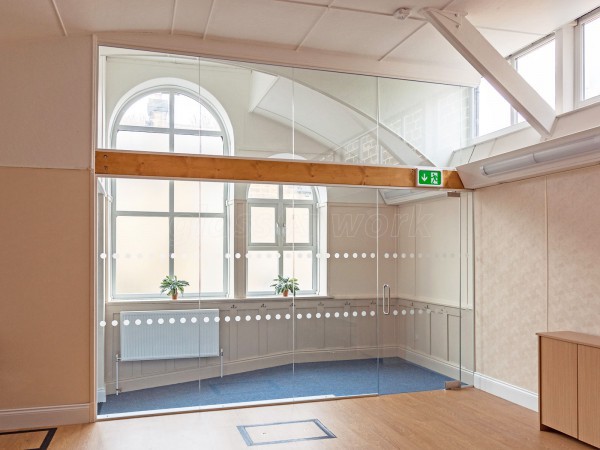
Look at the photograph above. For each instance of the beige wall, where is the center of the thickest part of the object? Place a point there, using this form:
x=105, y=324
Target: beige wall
x=538, y=268
x=45, y=156
x=45, y=271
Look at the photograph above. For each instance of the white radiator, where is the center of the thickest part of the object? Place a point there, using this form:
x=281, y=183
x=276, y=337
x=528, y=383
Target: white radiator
x=190, y=333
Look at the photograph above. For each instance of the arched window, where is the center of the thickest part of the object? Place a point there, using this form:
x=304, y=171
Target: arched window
x=172, y=227
x=170, y=119
x=282, y=236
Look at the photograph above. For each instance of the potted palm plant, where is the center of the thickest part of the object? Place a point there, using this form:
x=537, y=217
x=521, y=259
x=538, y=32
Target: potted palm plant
x=172, y=286
x=283, y=285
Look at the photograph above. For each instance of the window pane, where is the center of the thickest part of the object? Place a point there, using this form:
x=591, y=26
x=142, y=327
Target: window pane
x=191, y=115
x=537, y=67
x=195, y=196
x=262, y=225
x=187, y=112
x=297, y=192
x=142, y=249
x=299, y=264
x=269, y=191
x=212, y=197
x=493, y=110
x=198, y=145
x=591, y=59
x=187, y=196
x=263, y=267
x=142, y=195
x=211, y=145
x=199, y=253
x=212, y=235
x=187, y=144
x=187, y=252
x=149, y=111
x=137, y=140
x=297, y=225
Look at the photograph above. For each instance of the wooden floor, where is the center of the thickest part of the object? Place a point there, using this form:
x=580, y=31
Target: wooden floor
x=465, y=419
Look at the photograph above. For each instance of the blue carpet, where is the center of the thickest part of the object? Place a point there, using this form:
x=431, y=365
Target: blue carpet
x=338, y=378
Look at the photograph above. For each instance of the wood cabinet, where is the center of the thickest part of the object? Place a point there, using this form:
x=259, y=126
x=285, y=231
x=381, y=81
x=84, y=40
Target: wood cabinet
x=569, y=384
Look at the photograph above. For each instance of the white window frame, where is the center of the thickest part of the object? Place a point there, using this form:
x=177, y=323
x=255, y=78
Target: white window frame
x=171, y=214
x=580, y=101
x=280, y=204
x=514, y=115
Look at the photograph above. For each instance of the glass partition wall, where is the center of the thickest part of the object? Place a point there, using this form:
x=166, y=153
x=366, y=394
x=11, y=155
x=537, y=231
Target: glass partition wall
x=371, y=296
x=290, y=292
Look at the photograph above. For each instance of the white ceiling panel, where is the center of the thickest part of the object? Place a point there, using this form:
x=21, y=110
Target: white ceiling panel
x=363, y=34
x=535, y=16
x=191, y=16
x=427, y=45
x=262, y=20
x=508, y=42
x=508, y=24
x=116, y=15
x=28, y=19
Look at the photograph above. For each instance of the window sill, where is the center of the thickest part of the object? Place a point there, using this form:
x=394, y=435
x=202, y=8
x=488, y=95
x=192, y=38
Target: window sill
x=204, y=301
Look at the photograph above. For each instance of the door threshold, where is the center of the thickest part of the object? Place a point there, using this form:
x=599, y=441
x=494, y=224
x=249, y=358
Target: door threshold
x=227, y=406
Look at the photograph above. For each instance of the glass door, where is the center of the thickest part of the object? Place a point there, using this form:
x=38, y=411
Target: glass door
x=335, y=329
x=426, y=320
x=255, y=318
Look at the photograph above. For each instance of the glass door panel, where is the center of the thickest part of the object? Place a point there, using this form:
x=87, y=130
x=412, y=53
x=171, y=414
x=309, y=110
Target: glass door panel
x=425, y=334
x=254, y=322
x=335, y=328
x=149, y=262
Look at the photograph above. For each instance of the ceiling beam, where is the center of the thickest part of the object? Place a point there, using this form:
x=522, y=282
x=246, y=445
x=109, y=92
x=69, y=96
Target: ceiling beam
x=173, y=16
x=471, y=44
x=59, y=18
x=208, y=19
x=223, y=168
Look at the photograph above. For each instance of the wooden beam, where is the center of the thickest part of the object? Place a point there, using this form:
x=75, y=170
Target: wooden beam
x=169, y=165
x=471, y=44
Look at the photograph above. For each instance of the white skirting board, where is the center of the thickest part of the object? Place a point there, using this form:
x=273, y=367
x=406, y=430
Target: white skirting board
x=45, y=416
x=509, y=392
x=274, y=360
x=437, y=365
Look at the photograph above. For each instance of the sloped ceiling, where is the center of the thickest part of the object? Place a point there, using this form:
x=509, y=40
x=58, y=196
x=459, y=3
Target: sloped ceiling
x=349, y=27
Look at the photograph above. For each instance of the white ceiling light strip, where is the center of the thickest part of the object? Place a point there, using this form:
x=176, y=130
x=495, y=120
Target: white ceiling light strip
x=561, y=152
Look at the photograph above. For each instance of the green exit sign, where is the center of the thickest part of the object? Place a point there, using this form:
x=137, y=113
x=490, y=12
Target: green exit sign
x=428, y=177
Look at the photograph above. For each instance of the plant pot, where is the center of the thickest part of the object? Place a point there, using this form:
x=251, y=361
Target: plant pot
x=285, y=293
x=174, y=295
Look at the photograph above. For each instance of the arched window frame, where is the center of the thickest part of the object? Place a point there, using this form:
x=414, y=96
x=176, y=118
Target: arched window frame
x=226, y=133
x=215, y=109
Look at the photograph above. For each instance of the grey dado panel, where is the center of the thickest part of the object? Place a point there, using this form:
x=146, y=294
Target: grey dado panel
x=439, y=333
x=422, y=331
x=322, y=330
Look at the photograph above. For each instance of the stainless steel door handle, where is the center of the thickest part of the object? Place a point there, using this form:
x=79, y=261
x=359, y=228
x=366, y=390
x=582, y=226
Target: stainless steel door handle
x=386, y=287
